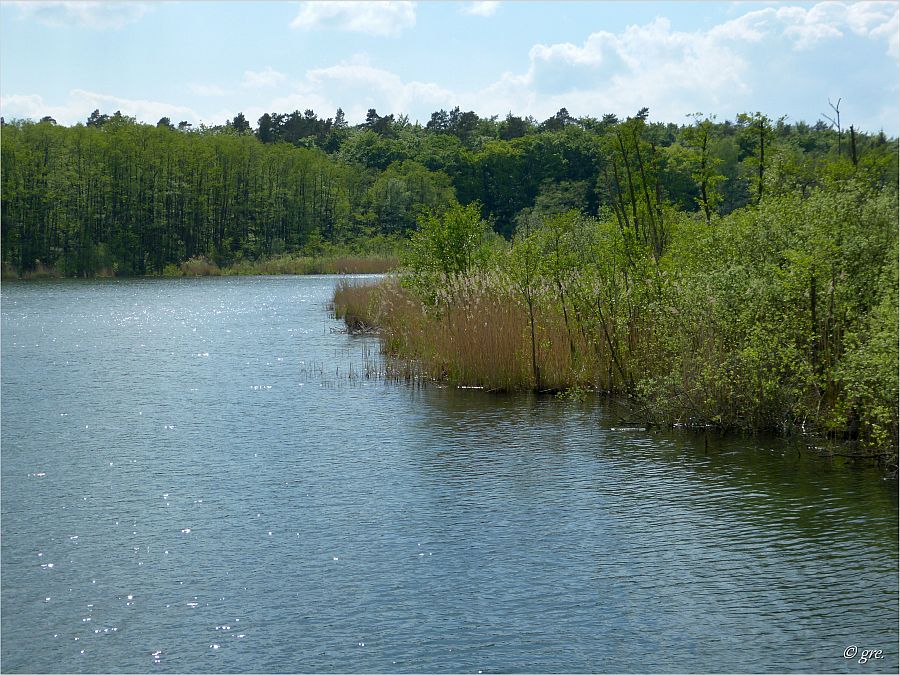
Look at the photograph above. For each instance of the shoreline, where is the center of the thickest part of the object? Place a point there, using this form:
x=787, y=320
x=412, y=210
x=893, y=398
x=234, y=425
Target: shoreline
x=286, y=265
x=442, y=351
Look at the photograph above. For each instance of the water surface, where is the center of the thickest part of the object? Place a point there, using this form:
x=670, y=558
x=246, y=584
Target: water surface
x=197, y=478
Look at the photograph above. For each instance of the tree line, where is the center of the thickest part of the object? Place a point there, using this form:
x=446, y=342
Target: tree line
x=117, y=196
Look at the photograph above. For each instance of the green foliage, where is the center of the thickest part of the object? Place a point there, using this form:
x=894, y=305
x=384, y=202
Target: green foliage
x=868, y=373
x=404, y=191
x=773, y=309
x=117, y=197
x=632, y=182
x=780, y=316
x=696, y=152
x=446, y=246
x=153, y=195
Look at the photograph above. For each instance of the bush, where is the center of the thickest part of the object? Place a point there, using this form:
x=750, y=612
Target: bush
x=199, y=267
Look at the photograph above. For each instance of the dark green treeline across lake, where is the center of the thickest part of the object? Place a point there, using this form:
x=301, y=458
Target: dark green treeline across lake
x=113, y=196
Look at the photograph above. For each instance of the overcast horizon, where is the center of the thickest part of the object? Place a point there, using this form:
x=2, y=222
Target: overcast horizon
x=204, y=62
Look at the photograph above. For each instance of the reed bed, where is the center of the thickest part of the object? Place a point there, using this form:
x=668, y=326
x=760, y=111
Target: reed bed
x=40, y=271
x=201, y=266
x=477, y=335
x=350, y=264
x=357, y=304
x=286, y=264
x=346, y=264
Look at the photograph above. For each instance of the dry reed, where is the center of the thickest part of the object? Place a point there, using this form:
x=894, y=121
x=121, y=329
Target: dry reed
x=477, y=335
x=199, y=267
x=288, y=264
x=41, y=271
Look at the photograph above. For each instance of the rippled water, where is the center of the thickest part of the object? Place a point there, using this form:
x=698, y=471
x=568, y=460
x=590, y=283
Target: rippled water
x=193, y=482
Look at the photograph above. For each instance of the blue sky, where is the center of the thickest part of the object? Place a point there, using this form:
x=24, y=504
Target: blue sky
x=207, y=61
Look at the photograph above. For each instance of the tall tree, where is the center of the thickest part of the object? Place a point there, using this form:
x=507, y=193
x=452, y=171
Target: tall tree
x=758, y=129
x=698, y=141
x=240, y=124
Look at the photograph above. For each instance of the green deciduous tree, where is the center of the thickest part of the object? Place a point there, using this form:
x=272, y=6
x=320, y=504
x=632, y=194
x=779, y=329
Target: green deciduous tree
x=446, y=246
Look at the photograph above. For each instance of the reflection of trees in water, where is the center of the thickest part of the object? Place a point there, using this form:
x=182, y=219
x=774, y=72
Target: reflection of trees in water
x=536, y=497
x=523, y=443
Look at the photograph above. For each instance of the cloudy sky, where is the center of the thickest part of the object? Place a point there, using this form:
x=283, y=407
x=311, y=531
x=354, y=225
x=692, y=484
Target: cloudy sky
x=207, y=61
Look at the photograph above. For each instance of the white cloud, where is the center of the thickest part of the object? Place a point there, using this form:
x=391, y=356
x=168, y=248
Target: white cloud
x=384, y=18
x=749, y=27
x=806, y=28
x=356, y=85
x=650, y=65
x=741, y=64
x=891, y=31
x=263, y=78
x=96, y=15
x=30, y=106
x=767, y=59
x=81, y=103
x=591, y=54
x=487, y=8
x=876, y=20
x=675, y=72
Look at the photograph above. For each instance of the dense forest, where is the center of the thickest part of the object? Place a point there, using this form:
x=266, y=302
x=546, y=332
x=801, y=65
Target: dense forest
x=114, y=196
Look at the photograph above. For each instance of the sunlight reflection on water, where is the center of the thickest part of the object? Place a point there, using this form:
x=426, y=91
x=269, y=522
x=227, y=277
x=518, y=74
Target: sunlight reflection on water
x=344, y=524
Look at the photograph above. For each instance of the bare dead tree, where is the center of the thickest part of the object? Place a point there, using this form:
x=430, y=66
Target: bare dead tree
x=836, y=120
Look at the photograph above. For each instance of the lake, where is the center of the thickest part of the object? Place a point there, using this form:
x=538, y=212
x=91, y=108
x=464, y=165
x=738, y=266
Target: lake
x=198, y=477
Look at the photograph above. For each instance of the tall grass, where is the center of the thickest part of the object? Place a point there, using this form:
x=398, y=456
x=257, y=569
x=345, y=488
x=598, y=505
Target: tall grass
x=477, y=335
x=41, y=271
x=8, y=271
x=357, y=304
x=342, y=264
x=201, y=266
x=286, y=264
